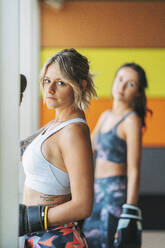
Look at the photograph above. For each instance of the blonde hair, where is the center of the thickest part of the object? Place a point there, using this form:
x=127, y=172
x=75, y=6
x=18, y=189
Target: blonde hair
x=75, y=67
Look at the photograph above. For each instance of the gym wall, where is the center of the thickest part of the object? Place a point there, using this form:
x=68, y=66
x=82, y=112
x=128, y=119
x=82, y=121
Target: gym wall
x=111, y=33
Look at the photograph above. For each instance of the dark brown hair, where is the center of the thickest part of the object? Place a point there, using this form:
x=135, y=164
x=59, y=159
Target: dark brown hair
x=140, y=102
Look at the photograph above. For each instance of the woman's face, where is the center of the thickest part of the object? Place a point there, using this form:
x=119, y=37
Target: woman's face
x=58, y=93
x=126, y=84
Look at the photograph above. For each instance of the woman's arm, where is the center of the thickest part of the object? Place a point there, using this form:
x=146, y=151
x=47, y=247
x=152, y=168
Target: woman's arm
x=134, y=139
x=77, y=155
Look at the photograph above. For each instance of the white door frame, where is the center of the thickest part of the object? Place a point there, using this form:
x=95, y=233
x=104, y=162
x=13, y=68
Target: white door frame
x=9, y=122
x=19, y=53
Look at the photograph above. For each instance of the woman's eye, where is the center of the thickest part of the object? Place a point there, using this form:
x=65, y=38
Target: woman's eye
x=46, y=81
x=60, y=83
x=130, y=84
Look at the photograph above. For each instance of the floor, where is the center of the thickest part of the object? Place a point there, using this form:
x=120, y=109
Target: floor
x=153, y=239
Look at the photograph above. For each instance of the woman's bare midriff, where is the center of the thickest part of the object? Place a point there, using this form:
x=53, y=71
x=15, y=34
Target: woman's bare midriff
x=32, y=197
x=108, y=169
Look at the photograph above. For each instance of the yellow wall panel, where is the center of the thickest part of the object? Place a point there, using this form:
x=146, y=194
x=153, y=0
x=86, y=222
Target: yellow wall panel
x=105, y=61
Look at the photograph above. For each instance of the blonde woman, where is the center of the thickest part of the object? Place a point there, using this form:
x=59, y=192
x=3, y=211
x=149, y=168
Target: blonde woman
x=58, y=163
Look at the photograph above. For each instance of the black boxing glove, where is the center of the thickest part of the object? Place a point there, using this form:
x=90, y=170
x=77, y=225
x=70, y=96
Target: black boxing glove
x=32, y=219
x=129, y=228
x=23, y=84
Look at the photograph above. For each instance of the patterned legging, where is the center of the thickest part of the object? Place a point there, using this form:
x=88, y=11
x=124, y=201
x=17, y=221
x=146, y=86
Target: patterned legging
x=62, y=236
x=100, y=227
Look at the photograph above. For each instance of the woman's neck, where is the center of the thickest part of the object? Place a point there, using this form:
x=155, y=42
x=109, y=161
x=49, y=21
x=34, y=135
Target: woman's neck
x=120, y=108
x=68, y=114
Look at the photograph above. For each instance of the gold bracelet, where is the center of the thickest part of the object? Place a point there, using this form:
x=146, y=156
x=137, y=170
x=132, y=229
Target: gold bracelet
x=46, y=218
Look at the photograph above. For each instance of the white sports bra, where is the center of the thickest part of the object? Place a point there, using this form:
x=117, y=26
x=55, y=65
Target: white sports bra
x=41, y=175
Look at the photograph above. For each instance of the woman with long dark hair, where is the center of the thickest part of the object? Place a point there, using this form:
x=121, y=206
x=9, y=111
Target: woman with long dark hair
x=117, y=141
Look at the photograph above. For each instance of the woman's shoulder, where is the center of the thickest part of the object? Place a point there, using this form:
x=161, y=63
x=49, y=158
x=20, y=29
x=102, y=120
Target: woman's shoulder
x=133, y=119
x=74, y=135
x=133, y=124
x=74, y=130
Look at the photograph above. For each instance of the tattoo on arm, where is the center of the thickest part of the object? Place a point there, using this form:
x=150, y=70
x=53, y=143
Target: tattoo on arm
x=53, y=200
x=24, y=143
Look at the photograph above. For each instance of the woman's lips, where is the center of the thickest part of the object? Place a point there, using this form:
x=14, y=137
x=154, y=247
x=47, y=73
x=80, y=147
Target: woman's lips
x=51, y=98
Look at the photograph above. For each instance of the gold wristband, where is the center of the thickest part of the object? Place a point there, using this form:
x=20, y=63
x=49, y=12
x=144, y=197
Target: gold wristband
x=46, y=218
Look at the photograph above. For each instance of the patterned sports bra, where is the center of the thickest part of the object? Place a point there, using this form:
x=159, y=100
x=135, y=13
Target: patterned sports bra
x=110, y=147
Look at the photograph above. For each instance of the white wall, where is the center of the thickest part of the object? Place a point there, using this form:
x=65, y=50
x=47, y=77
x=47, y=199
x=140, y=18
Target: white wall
x=9, y=124
x=29, y=65
x=19, y=53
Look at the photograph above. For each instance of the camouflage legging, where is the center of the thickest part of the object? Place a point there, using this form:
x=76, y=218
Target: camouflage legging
x=63, y=236
x=100, y=227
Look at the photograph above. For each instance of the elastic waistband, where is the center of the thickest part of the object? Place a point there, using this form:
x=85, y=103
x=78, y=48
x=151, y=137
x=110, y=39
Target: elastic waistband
x=111, y=178
x=69, y=225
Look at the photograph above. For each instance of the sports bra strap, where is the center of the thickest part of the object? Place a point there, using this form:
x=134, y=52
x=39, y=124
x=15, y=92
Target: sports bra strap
x=124, y=117
x=63, y=124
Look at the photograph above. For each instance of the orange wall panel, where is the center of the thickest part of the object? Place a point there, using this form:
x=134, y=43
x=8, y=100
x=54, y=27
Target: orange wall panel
x=46, y=115
x=104, y=24
x=154, y=135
